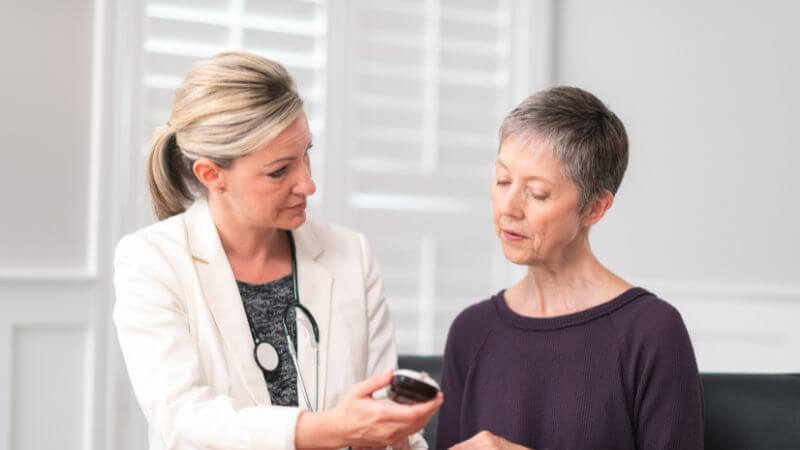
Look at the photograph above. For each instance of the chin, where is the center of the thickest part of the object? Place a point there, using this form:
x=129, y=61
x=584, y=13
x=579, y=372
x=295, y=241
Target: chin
x=514, y=256
x=293, y=222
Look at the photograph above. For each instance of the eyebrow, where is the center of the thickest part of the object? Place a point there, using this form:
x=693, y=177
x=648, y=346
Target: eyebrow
x=287, y=158
x=532, y=177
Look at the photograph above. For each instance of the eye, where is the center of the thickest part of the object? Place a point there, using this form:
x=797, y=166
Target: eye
x=502, y=182
x=536, y=195
x=278, y=173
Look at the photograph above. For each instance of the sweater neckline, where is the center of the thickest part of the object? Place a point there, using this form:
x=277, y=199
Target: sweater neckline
x=567, y=320
x=275, y=282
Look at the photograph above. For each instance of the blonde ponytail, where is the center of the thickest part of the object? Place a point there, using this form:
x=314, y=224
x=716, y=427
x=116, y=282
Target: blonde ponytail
x=167, y=174
x=226, y=107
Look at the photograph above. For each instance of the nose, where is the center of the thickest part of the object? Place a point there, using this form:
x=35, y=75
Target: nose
x=509, y=203
x=305, y=184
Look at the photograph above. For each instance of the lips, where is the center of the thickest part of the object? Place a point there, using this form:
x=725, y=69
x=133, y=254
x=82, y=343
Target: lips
x=513, y=236
x=299, y=206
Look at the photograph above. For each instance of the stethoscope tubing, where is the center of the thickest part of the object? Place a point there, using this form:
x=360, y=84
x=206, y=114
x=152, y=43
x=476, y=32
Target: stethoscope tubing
x=292, y=349
x=314, y=329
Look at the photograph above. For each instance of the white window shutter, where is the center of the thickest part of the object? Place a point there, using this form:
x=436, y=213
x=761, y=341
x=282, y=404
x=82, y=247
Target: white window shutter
x=427, y=83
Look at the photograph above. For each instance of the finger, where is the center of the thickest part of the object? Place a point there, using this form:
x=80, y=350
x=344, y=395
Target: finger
x=411, y=414
x=484, y=439
x=468, y=444
x=429, y=407
x=424, y=411
x=428, y=414
x=367, y=387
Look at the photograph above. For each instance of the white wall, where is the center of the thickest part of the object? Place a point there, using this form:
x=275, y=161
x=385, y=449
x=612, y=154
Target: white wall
x=707, y=215
x=57, y=124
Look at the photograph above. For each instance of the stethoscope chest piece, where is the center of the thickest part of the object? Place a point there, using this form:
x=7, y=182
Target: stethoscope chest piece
x=267, y=357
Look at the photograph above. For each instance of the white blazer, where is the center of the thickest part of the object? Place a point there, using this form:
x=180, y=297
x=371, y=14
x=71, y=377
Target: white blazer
x=188, y=347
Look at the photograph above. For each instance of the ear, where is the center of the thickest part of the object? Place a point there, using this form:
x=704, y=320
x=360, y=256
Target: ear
x=597, y=208
x=209, y=174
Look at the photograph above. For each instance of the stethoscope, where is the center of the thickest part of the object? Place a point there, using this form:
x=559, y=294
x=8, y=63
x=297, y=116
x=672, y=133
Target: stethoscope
x=266, y=355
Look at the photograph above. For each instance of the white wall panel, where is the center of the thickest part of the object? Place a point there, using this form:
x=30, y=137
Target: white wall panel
x=45, y=134
x=708, y=92
x=48, y=402
x=49, y=309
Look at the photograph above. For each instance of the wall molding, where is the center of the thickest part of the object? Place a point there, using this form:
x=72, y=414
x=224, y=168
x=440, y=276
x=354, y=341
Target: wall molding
x=96, y=127
x=694, y=289
x=56, y=275
x=678, y=292
x=722, y=290
x=121, y=429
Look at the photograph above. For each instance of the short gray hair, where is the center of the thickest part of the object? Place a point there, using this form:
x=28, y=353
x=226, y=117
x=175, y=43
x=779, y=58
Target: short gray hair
x=588, y=139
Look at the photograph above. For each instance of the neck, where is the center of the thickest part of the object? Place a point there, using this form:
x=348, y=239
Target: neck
x=572, y=281
x=241, y=241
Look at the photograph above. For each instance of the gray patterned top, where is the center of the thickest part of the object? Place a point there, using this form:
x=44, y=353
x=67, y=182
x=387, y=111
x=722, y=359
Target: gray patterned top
x=264, y=305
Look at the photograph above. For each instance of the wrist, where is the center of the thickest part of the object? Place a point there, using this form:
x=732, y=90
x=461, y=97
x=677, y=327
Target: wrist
x=316, y=430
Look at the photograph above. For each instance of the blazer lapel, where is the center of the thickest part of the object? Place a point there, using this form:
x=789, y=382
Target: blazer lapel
x=222, y=296
x=315, y=285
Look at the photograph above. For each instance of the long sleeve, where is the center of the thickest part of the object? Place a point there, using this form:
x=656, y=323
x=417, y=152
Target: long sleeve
x=164, y=365
x=668, y=402
x=448, y=432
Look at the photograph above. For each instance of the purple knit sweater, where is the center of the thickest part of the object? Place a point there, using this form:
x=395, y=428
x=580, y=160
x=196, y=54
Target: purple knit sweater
x=621, y=375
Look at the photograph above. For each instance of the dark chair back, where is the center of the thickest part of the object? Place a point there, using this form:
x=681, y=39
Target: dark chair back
x=742, y=411
x=433, y=366
x=752, y=411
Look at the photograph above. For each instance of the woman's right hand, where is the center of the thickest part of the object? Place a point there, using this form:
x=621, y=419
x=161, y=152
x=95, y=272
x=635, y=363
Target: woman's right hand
x=361, y=421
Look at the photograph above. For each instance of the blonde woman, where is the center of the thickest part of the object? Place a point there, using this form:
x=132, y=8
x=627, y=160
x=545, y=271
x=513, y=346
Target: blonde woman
x=218, y=351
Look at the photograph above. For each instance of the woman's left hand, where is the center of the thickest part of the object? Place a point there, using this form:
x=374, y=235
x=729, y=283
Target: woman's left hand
x=485, y=440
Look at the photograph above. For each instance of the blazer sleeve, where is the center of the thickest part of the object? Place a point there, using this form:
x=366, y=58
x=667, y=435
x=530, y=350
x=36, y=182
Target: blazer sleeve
x=382, y=348
x=164, y=363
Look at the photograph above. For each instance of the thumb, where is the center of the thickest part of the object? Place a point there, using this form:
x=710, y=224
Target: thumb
x=367, y=387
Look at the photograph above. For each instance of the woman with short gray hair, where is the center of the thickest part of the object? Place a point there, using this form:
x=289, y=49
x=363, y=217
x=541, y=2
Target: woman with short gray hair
x=572, y=356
